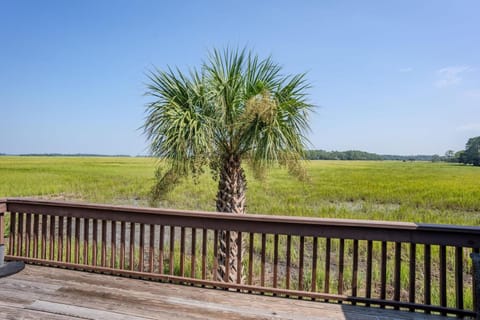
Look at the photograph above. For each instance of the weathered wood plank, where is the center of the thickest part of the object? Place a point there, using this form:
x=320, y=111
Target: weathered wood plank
x=65, y=294
x=8, y=312
x=78, y=312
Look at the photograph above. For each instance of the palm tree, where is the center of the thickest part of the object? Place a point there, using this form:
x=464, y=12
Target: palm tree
x=236, y=108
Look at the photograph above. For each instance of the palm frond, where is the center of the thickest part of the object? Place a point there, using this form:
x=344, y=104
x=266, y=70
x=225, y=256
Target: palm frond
x=237, y=104
x=177, y=122
x=277, y=123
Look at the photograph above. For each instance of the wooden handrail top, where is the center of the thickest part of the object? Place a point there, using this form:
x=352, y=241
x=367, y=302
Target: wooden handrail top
x=435, y=234
x=215, y=215
x=294, y=220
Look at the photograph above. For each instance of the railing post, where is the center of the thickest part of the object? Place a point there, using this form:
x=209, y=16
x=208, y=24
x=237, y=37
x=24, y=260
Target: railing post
x=3, y=208
x=476, y=283
x=2, y=238
x=8, y=268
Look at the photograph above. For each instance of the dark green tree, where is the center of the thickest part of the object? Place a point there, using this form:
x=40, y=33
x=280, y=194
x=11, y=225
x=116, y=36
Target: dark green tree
x=450, y=156
x=472, y=151
x=460, y=156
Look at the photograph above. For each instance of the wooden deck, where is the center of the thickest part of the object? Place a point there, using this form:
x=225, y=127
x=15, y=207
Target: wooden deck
x=53, y=293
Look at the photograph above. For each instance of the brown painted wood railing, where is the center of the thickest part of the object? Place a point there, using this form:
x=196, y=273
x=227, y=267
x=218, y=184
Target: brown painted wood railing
x=416, y=267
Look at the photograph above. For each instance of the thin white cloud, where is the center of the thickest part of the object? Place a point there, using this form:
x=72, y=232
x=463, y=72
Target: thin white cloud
x=450, y=76
x=404, y=70
x=469, y=127
x=473, y=93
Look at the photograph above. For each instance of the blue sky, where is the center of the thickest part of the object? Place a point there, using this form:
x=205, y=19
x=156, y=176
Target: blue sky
x=397, y=77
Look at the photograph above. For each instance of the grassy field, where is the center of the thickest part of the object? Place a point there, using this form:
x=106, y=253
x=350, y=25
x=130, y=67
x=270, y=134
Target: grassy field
x=402, y=191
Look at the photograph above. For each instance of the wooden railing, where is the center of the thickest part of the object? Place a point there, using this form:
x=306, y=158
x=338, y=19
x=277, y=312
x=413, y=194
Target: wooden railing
x=416, y=267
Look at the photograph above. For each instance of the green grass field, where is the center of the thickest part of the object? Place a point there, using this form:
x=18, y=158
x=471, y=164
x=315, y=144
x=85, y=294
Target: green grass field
x=402, y=191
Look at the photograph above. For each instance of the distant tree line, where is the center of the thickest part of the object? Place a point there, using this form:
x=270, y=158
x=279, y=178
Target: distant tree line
x=65, y=155
x=361, y=155
x=341, y=155
x=471, y=154
x=417, y=157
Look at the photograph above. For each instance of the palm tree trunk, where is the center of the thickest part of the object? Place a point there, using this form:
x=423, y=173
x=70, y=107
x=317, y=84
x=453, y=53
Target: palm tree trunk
x=230, y=198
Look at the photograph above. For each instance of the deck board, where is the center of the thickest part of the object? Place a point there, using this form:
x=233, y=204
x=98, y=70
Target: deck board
x=53, y=293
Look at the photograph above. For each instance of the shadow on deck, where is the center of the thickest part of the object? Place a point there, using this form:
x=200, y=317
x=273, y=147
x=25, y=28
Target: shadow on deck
x=52, y=293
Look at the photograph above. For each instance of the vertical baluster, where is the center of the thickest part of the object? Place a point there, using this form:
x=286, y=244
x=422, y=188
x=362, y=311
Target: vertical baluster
x=459, y=277
x=104, y=243
x=314, y=264
x=30, y=229
x=86, y=235
x=182, y=251
x=368, y=286
x=94, y=242
x=151, y=252
x=2, y=229
x=239, y=257
x=215, y=255
x=328, y=249
x=289, y=258
x=61, y=220
x=250, y=258
x=113, y=246
x=39, y=236
x=12, y=247
x=123, y=240
x=193, y=253
x=51, y=239
x=262, y=270
x=20, y=234
x=36, y=234
x=413, y=263
x=227, y=257
x=443, y=277
x=161, y=249
x=397, y=272
x=474, y=286
x=142, y=248
x=131, y=258
x=44, y=237
x=300, y=263
x=355, y=269
x=31, y=233
x=204, y=254
x=172, y=249
x=383, y=273
x=427, y=275
x=28, y=233
x=77, y=240
x=341, y=265
x=275, y=260
x=69, y=239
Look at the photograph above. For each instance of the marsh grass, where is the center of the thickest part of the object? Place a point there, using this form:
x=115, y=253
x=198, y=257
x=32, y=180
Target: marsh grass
x=387, y=190
x=102, y=180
